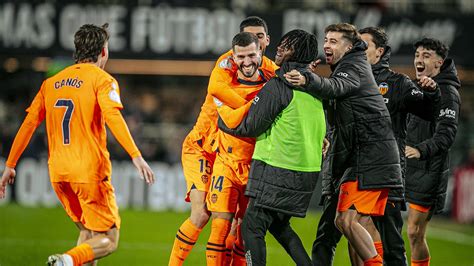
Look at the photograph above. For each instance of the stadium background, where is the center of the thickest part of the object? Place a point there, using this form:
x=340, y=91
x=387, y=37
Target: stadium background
x=161, y=53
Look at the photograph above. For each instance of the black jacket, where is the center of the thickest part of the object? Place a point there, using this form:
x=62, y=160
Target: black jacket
x=274, y=188
x=402, y=96
x=363, y=144
x=427, y=178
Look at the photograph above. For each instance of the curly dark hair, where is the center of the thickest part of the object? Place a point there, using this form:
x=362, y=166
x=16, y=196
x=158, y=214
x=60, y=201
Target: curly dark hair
x=304, y=45
x=89, y=41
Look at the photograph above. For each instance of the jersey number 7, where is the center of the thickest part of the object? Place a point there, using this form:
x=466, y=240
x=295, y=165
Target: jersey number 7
x=69, y=105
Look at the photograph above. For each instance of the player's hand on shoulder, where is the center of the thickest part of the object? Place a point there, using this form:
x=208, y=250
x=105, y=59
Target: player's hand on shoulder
x=427, y=83
x=8, y=177
x=295, y=78
x=144, y=170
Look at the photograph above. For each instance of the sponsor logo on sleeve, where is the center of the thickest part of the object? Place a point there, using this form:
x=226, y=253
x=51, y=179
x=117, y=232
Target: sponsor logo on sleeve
x=416, y=92
x=342, y=74
x=449, y=113
x=114, y=95
x=217, y=102
x=225, y=63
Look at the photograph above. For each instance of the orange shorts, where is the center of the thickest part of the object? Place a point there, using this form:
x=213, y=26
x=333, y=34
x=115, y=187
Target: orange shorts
x=226, y=191
x=420, y=208
x=369, y=202
x=92, y=204
x=197, y=168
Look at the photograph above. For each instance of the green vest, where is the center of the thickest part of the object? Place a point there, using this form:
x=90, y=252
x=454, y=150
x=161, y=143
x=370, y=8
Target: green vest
x=294, y=141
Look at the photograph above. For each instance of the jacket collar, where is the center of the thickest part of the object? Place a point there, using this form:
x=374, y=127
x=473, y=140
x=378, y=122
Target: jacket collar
x=383, y=63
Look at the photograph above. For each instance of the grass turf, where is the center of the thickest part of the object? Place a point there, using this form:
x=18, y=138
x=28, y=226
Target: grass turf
x=29, y=235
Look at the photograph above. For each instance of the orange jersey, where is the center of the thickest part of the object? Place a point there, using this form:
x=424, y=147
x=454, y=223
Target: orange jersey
x=223, y=74
x=76, y=103
x=240, y=149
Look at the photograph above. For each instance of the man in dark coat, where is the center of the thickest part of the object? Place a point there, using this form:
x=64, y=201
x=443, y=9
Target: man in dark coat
x=428, y=144
x=364, y=160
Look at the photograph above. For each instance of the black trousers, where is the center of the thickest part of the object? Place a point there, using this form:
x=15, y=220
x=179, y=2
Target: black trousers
x=389, y=226
x=257, y=221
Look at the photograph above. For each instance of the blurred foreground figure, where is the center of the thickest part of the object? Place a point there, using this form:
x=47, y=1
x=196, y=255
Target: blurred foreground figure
x=77, y=103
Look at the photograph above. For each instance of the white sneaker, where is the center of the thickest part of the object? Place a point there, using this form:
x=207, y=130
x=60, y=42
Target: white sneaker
x=56, y=260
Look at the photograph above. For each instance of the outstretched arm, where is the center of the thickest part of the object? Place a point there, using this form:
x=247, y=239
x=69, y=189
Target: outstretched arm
x=36, y=115
x=110, y=107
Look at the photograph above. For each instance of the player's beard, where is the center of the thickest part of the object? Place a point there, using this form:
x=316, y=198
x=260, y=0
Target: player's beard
x=248, y=73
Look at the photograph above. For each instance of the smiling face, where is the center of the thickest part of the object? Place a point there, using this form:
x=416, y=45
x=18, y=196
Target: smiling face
x=335, y=47
x=247, y=60
x=427, y=62
x=283, y=54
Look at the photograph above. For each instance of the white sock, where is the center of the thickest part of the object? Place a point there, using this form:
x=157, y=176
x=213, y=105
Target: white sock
x=68, y=260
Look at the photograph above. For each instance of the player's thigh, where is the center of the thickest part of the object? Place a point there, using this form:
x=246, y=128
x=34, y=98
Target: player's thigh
x=69, y=200
x=224, y=192
x=197, y=169
x=417, y=218
x=99, y=206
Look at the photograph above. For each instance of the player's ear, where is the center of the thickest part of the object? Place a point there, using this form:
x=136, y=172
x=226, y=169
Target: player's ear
x=103, y=52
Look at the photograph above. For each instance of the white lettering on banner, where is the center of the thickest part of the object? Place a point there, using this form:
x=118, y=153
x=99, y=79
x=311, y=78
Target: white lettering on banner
x=33, y=187
x=402, y=32
x=73, y=16
x=311, y=21
x=182, y=30
x=27, y=26
x=407, y=32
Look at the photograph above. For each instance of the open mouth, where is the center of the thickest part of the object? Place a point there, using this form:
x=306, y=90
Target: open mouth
x=328, y=55
x=420, y=69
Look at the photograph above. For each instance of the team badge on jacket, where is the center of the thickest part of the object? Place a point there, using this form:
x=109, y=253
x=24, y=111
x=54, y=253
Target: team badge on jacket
x=383, y=88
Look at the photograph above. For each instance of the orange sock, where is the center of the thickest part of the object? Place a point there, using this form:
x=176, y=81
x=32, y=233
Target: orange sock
x=186, y=237
x=229, y=245
x=81, y=254
x=215, y=250
x=425, y=262
x=375, y=261
x=379, y=247
x=238, y=253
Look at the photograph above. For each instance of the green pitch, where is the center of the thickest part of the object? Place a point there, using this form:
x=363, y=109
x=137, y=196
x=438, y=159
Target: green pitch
x=29, y=235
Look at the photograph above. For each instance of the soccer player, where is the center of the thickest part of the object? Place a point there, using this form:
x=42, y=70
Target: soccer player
x=290, y=128
x=230, y=172
x=198, y=154
x=77, y=103
x=363, y=161
x=428, y=144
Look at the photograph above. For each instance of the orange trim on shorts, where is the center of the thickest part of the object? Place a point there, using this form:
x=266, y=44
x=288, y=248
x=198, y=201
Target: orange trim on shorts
x=368, y=202
x=420, y=208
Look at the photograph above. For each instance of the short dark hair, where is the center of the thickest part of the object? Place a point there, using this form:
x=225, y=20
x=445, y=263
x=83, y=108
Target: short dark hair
x=245, y=39
x=304, y=45
x=89, y=41
x=378, y=34
x=433, y=44
x=253, y=21
x=349, y=31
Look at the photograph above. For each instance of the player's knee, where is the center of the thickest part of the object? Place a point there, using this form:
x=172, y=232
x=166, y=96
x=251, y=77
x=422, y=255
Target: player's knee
x=200, y=218
x=414, y=233
x=341, y=222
